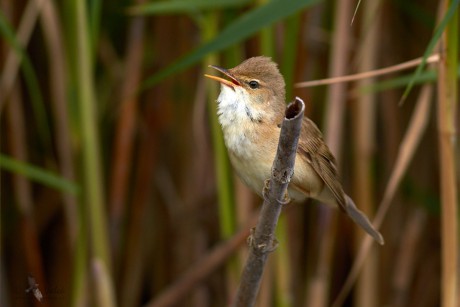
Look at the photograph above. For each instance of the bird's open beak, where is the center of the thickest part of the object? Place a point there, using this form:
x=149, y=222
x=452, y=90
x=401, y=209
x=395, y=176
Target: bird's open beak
x=230, y=83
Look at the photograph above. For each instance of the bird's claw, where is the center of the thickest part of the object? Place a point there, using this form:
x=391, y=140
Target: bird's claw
x=286, y=199
x=266, y=189
x=261, y=247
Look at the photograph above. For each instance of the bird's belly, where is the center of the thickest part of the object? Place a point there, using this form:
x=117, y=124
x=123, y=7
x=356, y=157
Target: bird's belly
x=254, y=167
x=305, y=182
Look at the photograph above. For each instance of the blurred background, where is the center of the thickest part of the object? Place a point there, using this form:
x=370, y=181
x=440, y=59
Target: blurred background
x=116, y=189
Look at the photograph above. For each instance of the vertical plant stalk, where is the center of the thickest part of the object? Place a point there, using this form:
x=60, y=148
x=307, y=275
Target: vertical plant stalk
x=227, y=216
x=262, y=241
x=319, y=284
x=130, y=272
x=364, y=136
x=58, y=75
x=23, y=194
x=123, y=143
x=79, y=294
x=133, y=264
x=266, y=36
x=447, y=121
x=58, y=78
x=17, y=56
x=405, y=267
x=336, y=95
x=101, y=277
x=411, y=140
x=223, y=171
x=13, y=60
x=202, y=268
x=92, y=176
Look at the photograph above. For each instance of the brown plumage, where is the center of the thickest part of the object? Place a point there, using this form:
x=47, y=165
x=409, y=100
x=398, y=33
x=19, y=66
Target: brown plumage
x=250, y=108
x=315, y=152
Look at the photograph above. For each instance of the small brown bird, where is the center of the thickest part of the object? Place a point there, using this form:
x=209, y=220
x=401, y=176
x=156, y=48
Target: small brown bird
x=251, y=108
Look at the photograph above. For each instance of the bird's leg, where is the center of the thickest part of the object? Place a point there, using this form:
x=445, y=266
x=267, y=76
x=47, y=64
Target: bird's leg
x=273, y=242
x=286, y=199
x=266, y=189
x=250, y=239
x=262, y=248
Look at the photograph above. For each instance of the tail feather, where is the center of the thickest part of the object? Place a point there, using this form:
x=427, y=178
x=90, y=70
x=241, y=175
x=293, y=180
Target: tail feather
x=359, y=218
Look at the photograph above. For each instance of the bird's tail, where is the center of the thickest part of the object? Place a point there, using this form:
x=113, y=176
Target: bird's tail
x=359, y=218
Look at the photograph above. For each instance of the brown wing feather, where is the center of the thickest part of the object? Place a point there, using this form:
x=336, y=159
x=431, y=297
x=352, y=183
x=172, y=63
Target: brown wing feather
x=313, y=149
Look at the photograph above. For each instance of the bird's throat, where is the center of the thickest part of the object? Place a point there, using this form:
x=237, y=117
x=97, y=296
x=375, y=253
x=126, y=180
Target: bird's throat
x=234, y=107
x=238, y=119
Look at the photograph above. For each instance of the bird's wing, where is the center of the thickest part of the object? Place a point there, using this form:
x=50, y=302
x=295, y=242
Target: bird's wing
x=315, y=152
x=313, y=149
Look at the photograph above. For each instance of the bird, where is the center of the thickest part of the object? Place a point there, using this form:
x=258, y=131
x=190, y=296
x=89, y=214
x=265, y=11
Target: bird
x=250, y=109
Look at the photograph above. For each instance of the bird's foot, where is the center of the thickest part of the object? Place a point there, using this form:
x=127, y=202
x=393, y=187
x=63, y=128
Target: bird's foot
x=286, y=199
x=262, y=248
x=250, y=239
x=266, y=189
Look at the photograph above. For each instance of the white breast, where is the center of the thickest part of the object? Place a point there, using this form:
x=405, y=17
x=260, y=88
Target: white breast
x=237, y=120
x=240, y=126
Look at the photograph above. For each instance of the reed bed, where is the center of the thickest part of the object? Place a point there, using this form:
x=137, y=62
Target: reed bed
x=116, y=187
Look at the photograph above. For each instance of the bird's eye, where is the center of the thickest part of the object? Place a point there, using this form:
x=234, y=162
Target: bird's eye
x=253, y=84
